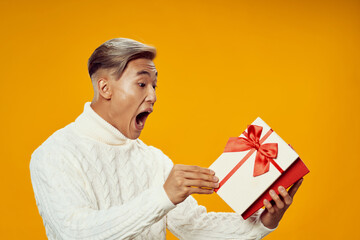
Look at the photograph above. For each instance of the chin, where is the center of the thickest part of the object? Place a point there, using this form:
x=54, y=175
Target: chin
x=134, y=136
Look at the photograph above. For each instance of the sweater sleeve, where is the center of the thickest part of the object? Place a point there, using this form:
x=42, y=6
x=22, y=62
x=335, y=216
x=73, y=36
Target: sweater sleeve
x=69, y=213
x=191, y=221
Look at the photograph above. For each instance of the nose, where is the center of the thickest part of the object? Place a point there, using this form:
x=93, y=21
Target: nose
x=151, y=95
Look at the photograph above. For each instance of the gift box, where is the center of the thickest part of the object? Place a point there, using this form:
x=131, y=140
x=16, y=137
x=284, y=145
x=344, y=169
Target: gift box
x=252, y=164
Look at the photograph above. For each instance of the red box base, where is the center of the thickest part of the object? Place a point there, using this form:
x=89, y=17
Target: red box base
x=296, y=171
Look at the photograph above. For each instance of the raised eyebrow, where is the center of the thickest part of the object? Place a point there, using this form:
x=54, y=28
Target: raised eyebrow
x=144, y=72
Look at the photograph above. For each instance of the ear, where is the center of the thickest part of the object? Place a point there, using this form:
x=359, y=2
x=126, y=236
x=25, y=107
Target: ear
x=104, y=88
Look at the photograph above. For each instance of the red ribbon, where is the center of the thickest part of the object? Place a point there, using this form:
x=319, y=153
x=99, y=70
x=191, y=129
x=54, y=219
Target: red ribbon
x=265, y=152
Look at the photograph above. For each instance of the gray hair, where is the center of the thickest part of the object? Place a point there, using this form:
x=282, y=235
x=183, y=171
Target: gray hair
x=117, y=53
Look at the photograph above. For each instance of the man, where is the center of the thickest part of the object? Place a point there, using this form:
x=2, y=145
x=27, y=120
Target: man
x=94, y=179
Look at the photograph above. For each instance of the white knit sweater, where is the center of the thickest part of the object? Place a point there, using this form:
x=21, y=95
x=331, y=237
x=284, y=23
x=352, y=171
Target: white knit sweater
x=91, y=182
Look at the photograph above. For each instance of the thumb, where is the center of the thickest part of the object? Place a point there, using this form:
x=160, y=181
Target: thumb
x=295, y=187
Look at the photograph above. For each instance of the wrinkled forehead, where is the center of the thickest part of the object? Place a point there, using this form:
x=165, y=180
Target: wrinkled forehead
x=144, y=67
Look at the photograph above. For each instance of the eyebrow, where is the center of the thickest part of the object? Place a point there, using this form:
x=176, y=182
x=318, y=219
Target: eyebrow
x=144, y=72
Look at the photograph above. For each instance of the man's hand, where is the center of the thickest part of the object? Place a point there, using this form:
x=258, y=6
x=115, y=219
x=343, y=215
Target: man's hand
x=185, y=180
x=274, y=212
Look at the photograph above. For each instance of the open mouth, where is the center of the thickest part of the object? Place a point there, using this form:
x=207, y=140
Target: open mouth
x=141, y=118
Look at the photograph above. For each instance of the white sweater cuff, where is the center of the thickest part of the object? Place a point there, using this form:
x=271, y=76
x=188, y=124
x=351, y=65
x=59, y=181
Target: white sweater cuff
x=260, y=228
x=164, y=200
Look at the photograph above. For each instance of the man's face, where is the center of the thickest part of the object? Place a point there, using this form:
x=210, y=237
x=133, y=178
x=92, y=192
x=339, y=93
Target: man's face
x=133, y=97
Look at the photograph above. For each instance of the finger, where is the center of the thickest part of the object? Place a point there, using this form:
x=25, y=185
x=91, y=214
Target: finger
x=200, y=176
x=189, y=168
x=200, y=191
x=295, y=187
x=269, y=206
x=279, y=203
x=200, y=184
x=285, y=195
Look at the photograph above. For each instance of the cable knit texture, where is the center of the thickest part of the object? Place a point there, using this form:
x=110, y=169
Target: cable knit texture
x=91, y=182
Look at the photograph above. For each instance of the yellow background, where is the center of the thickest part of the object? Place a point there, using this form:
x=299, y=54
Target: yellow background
x=221, y=64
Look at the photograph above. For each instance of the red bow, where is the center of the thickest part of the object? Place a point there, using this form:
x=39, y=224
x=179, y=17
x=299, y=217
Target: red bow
x=265, y=152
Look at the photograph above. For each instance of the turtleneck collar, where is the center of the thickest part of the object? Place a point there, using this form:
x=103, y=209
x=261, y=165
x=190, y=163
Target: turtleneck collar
x=92, y=125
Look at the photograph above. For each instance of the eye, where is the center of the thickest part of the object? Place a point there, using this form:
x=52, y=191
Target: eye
x=154, y=87
x=142, y=84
